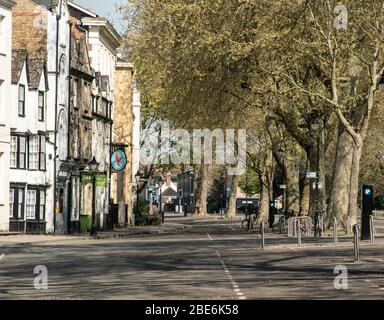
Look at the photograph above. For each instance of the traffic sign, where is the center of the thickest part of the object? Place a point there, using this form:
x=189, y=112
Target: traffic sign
x=311, y=175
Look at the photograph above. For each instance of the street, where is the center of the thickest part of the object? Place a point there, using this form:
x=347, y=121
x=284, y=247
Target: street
x=211, y=260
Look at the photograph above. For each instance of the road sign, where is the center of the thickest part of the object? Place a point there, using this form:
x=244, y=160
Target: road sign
x=311, y=175
x=180, y=193
x=283, y=186
x=118, y=160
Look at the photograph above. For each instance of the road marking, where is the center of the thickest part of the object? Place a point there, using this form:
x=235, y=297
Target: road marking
x=209, y=237
x=2, y=256
x=234, y=284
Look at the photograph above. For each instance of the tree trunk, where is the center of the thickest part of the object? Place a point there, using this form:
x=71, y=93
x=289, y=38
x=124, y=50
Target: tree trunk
x=292, y=183
x=339, y=195
x=305, y=195
x=264, y=201
x=204, y=188
x=232, y=199
x=354, y=185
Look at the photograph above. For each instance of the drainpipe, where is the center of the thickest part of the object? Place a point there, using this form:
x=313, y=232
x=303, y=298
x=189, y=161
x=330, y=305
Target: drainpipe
x=58, y=17
x=69, y=185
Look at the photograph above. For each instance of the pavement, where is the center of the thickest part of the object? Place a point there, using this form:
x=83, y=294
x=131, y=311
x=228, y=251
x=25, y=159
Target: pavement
x=207, y=259
x=15, y=238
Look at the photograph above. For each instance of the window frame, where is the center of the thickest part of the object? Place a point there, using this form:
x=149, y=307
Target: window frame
x=21, y=86
x=41, y=108
x=42, y=154
x=19, y=155
x=17, y=204
x=37, y=152
x=31, y=205
x=11, y=203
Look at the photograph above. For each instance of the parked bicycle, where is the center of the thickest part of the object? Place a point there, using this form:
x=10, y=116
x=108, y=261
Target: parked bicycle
x=280, y=224
x=248, y=223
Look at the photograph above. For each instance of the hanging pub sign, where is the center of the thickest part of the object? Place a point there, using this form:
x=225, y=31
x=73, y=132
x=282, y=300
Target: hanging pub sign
x=118, y=160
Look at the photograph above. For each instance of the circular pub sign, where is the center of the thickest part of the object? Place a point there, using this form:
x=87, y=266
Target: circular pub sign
x=119, y=160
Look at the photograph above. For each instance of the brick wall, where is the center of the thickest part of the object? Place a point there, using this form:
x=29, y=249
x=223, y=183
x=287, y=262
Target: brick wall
x=30, y=27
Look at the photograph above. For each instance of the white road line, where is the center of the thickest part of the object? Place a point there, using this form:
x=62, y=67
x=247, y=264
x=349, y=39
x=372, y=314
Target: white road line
x=209, y=236
x=2, y=256
x=234, y=284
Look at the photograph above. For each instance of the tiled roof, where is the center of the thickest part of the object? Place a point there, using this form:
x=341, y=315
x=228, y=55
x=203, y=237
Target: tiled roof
x=19, y=57
x=169, y=192
x=35, y=70
x=35, y=67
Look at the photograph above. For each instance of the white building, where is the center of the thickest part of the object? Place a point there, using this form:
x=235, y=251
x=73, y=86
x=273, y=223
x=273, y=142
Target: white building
x=58, y=43
x=42, y=29
x=31, y=170
x=5, y=102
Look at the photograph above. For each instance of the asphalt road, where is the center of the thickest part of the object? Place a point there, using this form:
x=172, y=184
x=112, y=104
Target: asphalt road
x=211, y=260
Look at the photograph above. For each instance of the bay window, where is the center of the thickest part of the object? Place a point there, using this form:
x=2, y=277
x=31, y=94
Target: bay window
x=33, y=148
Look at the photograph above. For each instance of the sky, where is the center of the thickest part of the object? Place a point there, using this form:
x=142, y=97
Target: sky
x=105, y=8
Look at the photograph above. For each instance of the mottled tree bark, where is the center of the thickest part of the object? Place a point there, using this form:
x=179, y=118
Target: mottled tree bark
x=293, y=187
x=339, y=194
x=231, y=212
x=265, y=193
x=203, y=190
x=305, y=194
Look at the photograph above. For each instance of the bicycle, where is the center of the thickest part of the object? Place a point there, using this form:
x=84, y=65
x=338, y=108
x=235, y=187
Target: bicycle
x=247, y=224
x=279, y=224
x=305, y=226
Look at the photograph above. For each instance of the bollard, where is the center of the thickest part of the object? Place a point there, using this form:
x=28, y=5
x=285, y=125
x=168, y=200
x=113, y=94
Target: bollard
x=356, y=242
x=372, y=229
x=262, y=231
x=298, y=233
x=348, y=227
x=335, y=231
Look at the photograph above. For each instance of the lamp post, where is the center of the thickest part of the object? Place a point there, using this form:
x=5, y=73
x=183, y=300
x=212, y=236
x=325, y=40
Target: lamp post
x=316, y=126
x=137, y=178
x=94, y=167
x=160, y=183
x=281, y=155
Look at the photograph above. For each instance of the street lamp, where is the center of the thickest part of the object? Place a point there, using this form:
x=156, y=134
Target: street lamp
x=160, y=182
x=94, y=167
x=316, y=127
x=137, y=178
x=281, y=155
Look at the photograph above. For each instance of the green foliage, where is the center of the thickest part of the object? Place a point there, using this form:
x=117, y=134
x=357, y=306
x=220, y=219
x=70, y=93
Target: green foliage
x=249, y=183
x=142, y=216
